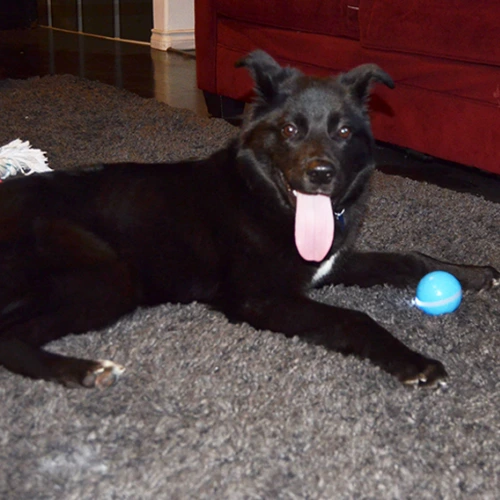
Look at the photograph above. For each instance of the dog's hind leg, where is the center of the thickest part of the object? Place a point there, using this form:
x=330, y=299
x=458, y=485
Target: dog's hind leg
x=81, y=285
x=24, y=359
x=94, y=299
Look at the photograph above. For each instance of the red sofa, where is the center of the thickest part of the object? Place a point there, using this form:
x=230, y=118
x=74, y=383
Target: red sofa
x=443, y=56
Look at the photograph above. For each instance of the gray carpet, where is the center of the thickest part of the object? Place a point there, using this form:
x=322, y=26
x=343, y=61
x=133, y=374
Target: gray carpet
x=211, y=410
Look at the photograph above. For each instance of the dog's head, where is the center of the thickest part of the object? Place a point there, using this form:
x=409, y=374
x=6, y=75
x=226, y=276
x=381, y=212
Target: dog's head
x=308, y=135
x=316, y=131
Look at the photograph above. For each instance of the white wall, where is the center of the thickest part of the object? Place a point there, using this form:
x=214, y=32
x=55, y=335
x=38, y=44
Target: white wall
x=173, y=24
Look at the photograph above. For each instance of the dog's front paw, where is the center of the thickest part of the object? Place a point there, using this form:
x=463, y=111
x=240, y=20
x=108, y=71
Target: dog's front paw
x=423, y=372
x=103, y=374
x=481, y=278
x=492, y=278
x=495, y=282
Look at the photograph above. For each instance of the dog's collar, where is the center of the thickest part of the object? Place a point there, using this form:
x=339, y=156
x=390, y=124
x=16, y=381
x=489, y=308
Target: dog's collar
x=339, y=216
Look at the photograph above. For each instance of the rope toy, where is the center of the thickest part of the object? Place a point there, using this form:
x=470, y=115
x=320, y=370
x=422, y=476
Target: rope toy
x=19, y=157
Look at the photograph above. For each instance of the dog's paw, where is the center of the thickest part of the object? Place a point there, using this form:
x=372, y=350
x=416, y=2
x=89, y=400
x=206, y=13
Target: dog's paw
x=102, y=374
x=492, y=278
x=424, y=373
x=481, y=278
x=495, y=282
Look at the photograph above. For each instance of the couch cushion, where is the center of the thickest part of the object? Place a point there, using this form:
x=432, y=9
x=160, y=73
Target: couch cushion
x=327, y=17
x=465, y=30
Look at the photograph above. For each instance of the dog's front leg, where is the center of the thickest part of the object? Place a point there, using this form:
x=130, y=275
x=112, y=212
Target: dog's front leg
x=367, y=269
x=342, y=330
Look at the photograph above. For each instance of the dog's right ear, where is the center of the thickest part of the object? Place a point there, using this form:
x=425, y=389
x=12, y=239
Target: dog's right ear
x=267, y=74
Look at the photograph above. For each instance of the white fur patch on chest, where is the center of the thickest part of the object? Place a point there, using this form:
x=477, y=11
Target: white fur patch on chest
x=324, y=269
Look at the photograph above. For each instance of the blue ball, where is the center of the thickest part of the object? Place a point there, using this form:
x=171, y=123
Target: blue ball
x=438, y=292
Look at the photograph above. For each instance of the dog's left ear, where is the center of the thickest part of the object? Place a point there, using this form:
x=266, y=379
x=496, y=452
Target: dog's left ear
x=268, y=75
x=360, y=81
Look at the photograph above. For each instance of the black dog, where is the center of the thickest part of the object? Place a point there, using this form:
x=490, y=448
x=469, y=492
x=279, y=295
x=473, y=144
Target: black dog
x=246, y=231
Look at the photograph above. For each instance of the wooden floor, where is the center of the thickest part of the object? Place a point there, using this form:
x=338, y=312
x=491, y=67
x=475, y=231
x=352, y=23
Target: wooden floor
x=167, y=76
x=170, y=77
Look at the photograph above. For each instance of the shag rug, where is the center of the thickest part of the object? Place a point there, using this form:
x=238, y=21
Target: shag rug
x=213, y=410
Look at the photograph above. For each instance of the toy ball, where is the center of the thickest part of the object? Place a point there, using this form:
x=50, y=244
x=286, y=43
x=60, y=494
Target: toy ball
x=438, y=292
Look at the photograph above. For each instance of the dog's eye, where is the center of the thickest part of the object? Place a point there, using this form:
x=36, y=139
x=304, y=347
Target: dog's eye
x=289, y=130
x=344, y=132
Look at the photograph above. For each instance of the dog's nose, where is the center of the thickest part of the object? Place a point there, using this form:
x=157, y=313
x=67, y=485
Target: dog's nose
x=321, y=174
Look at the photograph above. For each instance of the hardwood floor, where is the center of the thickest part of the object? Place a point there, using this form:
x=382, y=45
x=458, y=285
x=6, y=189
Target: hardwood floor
x=170, y=77
x=167, y=76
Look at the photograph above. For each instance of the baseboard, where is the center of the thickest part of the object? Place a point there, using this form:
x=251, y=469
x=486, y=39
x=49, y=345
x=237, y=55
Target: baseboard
x=176, y=39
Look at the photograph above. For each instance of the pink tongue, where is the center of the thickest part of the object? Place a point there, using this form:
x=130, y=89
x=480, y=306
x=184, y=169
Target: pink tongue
x=314, y=226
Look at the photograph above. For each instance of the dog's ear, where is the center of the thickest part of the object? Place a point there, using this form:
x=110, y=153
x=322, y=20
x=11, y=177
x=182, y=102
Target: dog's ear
x=359, y=81
x=267, y=74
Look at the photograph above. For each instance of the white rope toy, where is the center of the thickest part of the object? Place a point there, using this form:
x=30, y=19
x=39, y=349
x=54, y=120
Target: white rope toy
x=19, y=157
